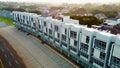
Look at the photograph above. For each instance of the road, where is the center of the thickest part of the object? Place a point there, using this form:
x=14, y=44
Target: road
x=32, y=51
x=8, y=55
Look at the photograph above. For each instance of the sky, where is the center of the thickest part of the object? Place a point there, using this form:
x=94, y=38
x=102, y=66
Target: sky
x=66, y=1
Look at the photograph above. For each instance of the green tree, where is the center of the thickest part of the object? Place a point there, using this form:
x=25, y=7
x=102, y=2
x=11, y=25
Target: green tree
x=87, y=20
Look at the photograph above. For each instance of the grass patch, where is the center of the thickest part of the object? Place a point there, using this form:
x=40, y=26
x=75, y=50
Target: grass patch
x=8, y=21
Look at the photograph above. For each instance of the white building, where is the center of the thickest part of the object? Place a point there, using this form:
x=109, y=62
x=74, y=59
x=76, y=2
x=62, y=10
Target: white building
x=87, y=46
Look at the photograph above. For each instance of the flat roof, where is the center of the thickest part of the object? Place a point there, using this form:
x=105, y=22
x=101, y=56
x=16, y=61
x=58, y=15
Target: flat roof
x=106, y=33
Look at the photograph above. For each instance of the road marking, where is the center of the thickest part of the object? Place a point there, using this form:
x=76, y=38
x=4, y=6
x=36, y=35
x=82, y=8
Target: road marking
x=16, y=62
x=11, y=54
x=10, y=64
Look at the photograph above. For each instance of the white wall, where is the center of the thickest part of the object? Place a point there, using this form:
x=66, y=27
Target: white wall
x=83, y=38
x=116, y=51
x=71, y=42
x=96, y=53
x=55, y=34
x=62, y=30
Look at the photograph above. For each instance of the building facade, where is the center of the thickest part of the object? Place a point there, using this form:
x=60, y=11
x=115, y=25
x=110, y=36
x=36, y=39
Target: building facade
x=87, y=46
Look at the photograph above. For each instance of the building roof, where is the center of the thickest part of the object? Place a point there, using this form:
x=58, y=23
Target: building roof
x=101, y=31
x=113, y=22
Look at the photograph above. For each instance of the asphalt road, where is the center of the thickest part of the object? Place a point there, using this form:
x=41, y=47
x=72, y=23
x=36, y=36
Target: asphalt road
x=32, y=51
x=8, y=55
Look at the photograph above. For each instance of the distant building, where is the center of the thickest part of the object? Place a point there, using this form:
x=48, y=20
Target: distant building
x=45, y=12
x=100, y=16
x=112, y=26
x=54, y=12
x=118, y=16
x=113, y=22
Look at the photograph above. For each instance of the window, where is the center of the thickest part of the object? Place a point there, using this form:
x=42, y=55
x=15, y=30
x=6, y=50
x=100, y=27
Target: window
x=73, y=34
x=23, y=17
x=23, y=20
x=100, y=44
x=98, y=62
x=65, y=31
x=27, y=22
x=18, y=19
x=39, y=26
x=84, y=47
x=44, y=23
x=102, y=55
x=73, y=49
x=58, y=35
x=50, y=31
x=63, y=37
x=31, y=19
x=56, y=28
x=75, y=43
x=57, y=40
x=51, y=25
x=83, y=54
x=39, y=21
x=87, y=39
x=46, y=30
x=33, y=24
x=64, y=44
x=17, y=15
x=115, y=60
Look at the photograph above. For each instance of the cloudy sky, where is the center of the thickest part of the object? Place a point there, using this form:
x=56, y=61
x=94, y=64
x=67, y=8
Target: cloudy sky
x=67, y=1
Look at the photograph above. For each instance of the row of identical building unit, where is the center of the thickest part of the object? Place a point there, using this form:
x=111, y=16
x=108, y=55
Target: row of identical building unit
x=89, y=47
